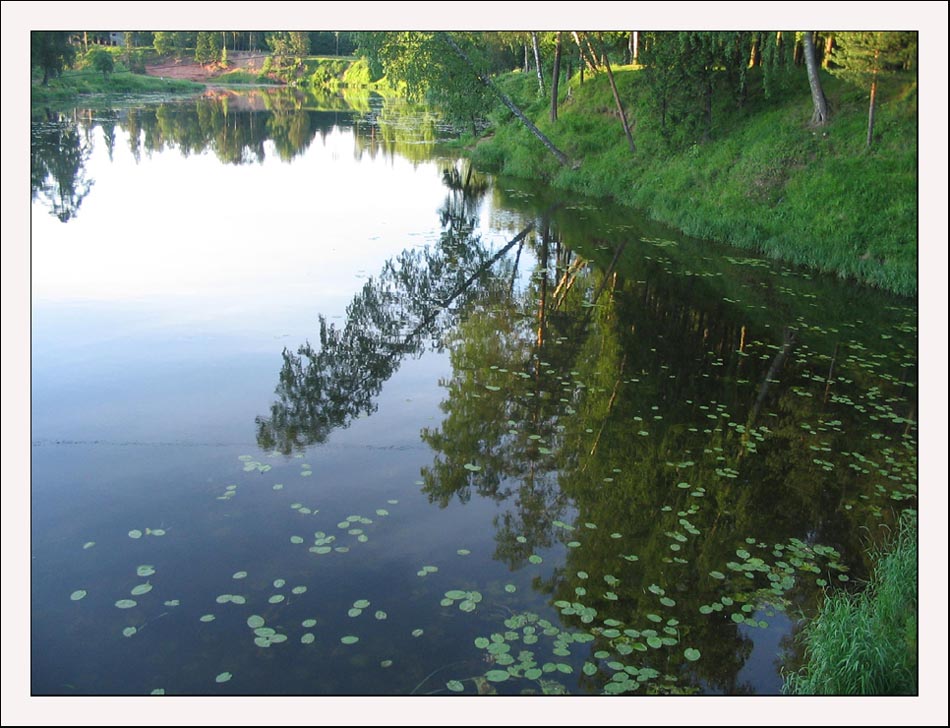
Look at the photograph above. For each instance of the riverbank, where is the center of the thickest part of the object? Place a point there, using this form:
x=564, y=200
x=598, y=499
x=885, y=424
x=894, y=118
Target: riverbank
x=764, y=180
x=866, y=643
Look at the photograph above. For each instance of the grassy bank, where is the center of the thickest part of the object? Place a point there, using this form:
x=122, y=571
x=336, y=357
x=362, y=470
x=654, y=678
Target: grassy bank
x=763, y=180
x=71, y=85
x=866, y=644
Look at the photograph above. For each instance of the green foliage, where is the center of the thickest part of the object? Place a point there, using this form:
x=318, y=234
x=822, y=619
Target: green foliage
x=358, y=74
x=52, y=52
x=206, y=50
x=866, y=643
x=101, y=60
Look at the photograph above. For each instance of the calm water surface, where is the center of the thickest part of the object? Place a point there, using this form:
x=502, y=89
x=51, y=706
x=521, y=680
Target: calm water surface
x=339, y=415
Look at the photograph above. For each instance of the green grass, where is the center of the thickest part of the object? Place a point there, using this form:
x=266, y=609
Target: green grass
x=866, y=644
x=764, y=180
x=71, y=84
x=241, y=77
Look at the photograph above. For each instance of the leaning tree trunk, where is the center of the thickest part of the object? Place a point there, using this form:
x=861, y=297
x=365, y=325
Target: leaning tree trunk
x=613, y=87
x=561, y=156
x=537, y=62
x=820, y=114
x=555, y=75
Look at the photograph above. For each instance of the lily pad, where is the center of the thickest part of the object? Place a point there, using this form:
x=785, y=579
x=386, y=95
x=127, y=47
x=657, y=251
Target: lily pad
x=141, y=589
x=472, y=467
x=361, y=603
x=298, y=590
x=129, y=631
x=145, y=570
x=77, y=595
x=278, y=583
x=691, y=654
x=135, y=533
x=126, y=603
x=88, y=545
x=380, y=614
x=497, y=675
x=510, y=588
x=206, y=618
x=349, y=639
x=417, y=632
x=276, y=599
x=296, y=539
x=455, y=686
x=308, y=623
x=223, y=677
x=307, y=638
x=255, y=621
x=239, y=575
x=535, y=559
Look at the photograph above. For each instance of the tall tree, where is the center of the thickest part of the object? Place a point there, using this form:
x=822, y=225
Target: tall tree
x=820, y=114
x=555, y=75
x=537, y=62
x=861, y=58
x=51, y=51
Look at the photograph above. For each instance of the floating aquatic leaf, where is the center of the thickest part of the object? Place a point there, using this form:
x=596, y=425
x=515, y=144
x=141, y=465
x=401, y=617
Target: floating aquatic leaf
x=380, y=614
x=239, y=575
x=632, y=557
x=296, y=539
x=717, y=575
x=417, y=632
x=141, y=589
x=238, y=599
x=206, y=618
x=467, y=605
x=472, y=467
x=298, y=590
x=158, y=531
x=88, y=544
x=510, y=588
x=573, y=544
x=354, y=612
x=535, y=559
x=278, y=486
x=135, y=533
x=463, y=552
x=129, y=631
x=307, y=638
x=655, y=642
x=361, y=603
x=667, y=602
x=223, y=598
x=278, y=583
x=172, y=603
x=497, y=675
x=158, y=691
x=349, y=639
x=126, y=603
x=276, y=599
x=455, y=686
x=223, y=677
x=386, y=663
x=78, y=594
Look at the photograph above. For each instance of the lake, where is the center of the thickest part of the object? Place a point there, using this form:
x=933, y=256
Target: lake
x=318, y=409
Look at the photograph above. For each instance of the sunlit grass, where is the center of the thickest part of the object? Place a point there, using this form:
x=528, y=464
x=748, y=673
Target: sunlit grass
x=764, y=180
x=866, y=644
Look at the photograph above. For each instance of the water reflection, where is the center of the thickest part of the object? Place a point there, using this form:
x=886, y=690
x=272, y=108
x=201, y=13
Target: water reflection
x=398, y=314
x=237, y=127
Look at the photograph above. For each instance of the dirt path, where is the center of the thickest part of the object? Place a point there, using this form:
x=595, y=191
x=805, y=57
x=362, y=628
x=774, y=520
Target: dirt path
x=189, y=70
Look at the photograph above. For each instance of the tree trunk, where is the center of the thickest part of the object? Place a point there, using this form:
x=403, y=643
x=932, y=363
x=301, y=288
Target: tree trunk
x=871, y=106
x=527, y=61
x=561, y=156
x=555, y=75
x=820, y=114
x=613, y=84
x=829, y=46
x=537, y=62
x=634, y=46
